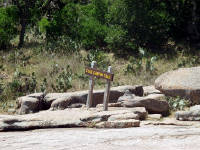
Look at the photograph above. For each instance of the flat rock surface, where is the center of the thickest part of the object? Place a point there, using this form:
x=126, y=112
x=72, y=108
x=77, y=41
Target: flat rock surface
x=74, y=117
x=142, y=138
x=170, y=121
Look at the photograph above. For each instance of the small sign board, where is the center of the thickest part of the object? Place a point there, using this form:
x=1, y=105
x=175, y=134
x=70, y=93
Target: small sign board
x=99, y=74
x=93, y=72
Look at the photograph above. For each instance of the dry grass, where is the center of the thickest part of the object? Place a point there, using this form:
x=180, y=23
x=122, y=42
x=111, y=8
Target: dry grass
x=42, y=63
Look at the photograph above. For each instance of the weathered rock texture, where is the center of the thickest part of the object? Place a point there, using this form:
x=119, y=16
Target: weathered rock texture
x=113, y=111
x=150, y=90
x=118, y=124
x=64, y=100
x=192, y=115
x=153, y=103
x=126, y=116
x=74, y=117
x=184, y=82
x=30, y=104
x=154, y=116
x=111, y=105
x=59, y=101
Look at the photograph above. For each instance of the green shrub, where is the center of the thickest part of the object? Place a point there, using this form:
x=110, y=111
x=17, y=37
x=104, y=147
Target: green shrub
x=92, y=33
x=115, y=37
x=63, y=44
x=44, y=85
x=19, y=57
x=22, y=84
x=143, y=62
x=98, y=56
x=134, y=66
x=8, y=30
x=43, y=24
x=63, y=81
x=177, y=103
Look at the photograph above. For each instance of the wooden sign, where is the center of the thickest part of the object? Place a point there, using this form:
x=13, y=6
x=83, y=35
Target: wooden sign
x=99, y=74
x=93, y=72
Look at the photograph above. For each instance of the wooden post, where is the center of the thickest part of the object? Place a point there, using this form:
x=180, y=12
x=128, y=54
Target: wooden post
x=107, y=92
x=91, y=85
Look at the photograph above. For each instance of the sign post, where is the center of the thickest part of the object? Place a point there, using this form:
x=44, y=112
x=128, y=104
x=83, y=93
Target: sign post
x=93, y=72
x=91, y=86
x=107, y=92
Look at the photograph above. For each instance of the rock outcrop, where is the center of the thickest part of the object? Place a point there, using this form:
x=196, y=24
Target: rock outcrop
x=59, y=101
x=153, y=103
x=30, y=104
x=64, y=100
x=184, y=82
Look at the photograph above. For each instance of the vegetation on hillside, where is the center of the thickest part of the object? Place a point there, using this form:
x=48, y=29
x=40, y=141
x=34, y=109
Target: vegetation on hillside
x=46, y=44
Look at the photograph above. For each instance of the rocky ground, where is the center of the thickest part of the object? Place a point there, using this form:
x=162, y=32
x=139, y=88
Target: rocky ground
x=142, y=138
x=129, y=107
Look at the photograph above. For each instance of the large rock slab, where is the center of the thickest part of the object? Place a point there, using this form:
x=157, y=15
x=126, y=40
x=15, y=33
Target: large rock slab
x=43, y=119
x=112, y=111
x=192, y=115
x=153, y=103
x=74, y=117
x=63, y=100
x=184, y=82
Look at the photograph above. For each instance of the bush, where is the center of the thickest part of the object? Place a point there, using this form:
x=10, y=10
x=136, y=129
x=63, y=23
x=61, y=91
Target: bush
x=43, y=24
x=92, y=33
x=98, y=56
x=116, y=37
x=8, y=28
x=63, y=81
x=22, y=84
x=177, y=103
x=63, y=44
x=144, y=61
